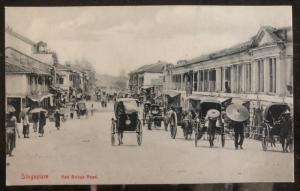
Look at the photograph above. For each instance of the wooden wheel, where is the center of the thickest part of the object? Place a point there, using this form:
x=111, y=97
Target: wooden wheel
x=264, y=138
x=173, y=125
x=222, y=137
x=113, y=132
x=196, y=134
x=139, y=134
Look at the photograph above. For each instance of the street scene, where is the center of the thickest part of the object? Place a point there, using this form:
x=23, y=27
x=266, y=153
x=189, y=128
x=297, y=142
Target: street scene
x=83, y=147
x=118, y=103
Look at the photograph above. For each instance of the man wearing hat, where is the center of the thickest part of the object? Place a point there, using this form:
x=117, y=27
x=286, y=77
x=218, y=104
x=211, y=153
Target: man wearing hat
x=25, y=121
x=238, y=115
x=212, y=117
x=238, y=128
x=57, y=119
x=286, y=130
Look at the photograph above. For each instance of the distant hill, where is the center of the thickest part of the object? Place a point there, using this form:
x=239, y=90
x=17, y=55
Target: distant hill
x=111, y=81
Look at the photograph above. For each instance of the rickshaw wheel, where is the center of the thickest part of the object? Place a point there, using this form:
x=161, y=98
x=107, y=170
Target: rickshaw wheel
x=223, y=139
x=264, y=143
x=113, y=140
x=196, y=134
x=173, y=125
x=264, y=138
x=139, y=134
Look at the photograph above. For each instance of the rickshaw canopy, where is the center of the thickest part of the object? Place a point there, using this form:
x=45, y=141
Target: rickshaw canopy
x=274, y=110
x=129, y=105
x=171, y=93
x=195, y=98
x=209, y=103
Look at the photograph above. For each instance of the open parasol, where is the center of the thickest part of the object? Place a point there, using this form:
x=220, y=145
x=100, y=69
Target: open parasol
x=237, y=112
x=10, y=109
x=213, y=114
x=38, y=110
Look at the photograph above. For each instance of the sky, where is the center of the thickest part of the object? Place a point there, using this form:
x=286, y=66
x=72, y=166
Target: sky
x=127, y=37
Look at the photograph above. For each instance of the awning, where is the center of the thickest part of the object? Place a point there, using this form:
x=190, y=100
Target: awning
x=39, y=98
x=224, y=100
x=245, y=103
x=171, y=93
x=157, y=97
x=195, y=97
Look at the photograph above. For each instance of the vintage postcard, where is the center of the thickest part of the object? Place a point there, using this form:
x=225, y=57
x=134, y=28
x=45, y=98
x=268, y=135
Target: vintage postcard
x=149, y=95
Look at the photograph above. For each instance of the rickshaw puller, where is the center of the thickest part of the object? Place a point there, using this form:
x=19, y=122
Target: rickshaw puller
x=238, y=133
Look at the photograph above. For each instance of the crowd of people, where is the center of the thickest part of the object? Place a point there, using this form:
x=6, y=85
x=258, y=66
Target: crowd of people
x=37, y=119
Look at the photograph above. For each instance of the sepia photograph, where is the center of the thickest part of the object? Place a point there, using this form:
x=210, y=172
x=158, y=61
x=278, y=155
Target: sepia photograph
x=149, y=95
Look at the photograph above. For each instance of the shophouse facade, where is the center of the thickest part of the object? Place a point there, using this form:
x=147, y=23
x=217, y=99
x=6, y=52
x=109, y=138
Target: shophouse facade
x=27, y=81
x=259, y=70
x=147, y=76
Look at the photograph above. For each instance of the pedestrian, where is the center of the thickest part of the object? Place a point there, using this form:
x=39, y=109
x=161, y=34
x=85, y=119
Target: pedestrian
x=72, y=109
x=42, y=123
x=238, y=128
x=11, y=132
x=57, y=119
x=35, y=119
x=212, y=117
x=286, y=130
x=92, y=109
x=25, y=121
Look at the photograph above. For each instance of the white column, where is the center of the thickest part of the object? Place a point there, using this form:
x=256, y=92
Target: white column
x=254, y=75
x=208, y=79
x=223, y=84
x=266, y=75
x=181, y=82
x=232, y=79
x=198, y=81
x=218, y=79
x=243, y=80
x=280, y=75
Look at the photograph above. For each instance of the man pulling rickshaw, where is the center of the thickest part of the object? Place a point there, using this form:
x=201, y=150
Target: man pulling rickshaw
x=212, y=118
x=238, y=115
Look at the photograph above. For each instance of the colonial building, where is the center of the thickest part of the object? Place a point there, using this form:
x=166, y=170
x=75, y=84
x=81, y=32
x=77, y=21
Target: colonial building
x=29, y=74
x=259, y=70
x=27, y=81
x=147, y=76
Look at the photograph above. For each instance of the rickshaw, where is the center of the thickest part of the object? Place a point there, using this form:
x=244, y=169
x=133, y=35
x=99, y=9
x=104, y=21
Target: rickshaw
x=156, y=116
x=146, y=112
x=272, y=124
x=81, y=109
x=190, y=116
x=104, y=101
x=205, y=105
x=126, y=120
x=173, y=112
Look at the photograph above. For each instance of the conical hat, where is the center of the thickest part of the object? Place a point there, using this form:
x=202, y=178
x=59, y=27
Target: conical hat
x=237, y=112
x=213, y=114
